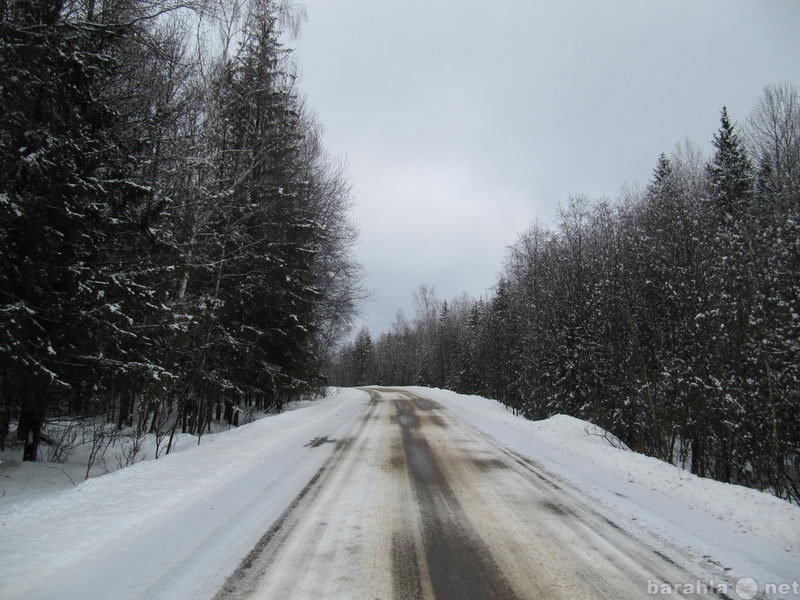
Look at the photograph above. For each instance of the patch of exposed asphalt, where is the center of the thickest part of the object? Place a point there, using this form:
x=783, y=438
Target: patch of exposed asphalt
x=406, y=576
x=460, y=564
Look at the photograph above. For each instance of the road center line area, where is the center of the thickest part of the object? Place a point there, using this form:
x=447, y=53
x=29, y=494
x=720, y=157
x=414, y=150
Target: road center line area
x=413, y=503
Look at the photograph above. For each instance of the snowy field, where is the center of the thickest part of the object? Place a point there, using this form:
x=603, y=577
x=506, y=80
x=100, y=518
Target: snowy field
x=178, y=526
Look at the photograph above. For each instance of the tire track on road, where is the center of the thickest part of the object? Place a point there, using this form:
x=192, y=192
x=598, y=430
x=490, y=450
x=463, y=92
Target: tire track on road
x=414, y=504
x=460, y=564
x=243, y=581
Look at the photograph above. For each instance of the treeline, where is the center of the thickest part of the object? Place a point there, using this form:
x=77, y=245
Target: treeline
x=670, y=317
x=175, y=240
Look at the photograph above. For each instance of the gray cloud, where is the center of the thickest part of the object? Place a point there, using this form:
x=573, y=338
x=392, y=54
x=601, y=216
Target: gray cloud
x=464, y=121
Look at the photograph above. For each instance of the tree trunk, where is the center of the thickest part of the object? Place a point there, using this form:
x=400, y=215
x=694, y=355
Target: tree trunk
x=125, y=405
x=31, y=419
x=228, y=412
x=697, y=466
x=5, y=419
x=153, y=424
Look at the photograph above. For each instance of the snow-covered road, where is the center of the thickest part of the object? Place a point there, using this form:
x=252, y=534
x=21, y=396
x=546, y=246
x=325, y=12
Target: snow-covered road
x=398, y=494
x=415, y=503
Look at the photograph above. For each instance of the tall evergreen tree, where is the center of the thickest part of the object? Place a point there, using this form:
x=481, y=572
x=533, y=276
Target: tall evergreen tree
x=730, y=171
x=71, y=291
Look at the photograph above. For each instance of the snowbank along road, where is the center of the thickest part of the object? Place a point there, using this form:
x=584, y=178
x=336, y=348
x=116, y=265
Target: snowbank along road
x=415, y=503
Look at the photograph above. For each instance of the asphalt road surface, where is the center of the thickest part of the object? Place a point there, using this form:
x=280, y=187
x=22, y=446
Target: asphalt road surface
x=414, y=504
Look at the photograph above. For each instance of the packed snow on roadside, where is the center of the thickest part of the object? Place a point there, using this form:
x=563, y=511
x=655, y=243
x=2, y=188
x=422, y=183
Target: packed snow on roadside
x=22, y=482
x=171, y=528
x=746, y=532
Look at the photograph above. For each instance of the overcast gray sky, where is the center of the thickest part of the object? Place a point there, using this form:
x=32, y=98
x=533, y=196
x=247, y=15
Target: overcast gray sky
x=463, y=121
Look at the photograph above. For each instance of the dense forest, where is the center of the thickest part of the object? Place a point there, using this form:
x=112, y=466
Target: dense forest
x=176, y=243
x=175, y=240
x=670, y=317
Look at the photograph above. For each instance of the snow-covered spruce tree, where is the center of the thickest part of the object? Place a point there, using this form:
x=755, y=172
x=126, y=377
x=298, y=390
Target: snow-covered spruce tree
x=168, y=221
x=724, y=325
x=501, y=348
x=441, y=347
x=661, y=242
x=72, y=294
x=362, y=361
x=753, y=279
x=281, y=236
x=452, y=338
x=472, y=372
x=250, y=283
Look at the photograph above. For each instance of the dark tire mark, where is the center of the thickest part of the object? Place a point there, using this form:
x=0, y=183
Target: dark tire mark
x=664, y=557
x=242, y=582
x=488, y=464
x=344, y=443
x=557, y=509
x=233, y=584
x=406, y=576
x=460, y=563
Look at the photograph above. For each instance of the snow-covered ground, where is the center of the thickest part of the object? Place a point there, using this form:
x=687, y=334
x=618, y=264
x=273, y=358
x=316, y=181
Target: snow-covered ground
x=205, y=508
x=749, y=533
x=22, y=482
x=178, y=526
